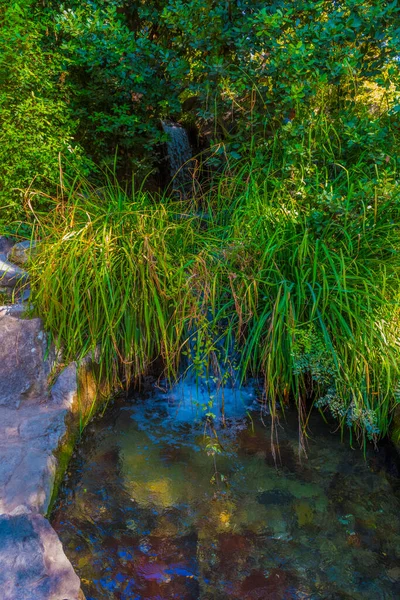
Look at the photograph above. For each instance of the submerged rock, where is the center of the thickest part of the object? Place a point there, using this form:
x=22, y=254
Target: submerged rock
x=277, y=496
x=278, y=584
x=304, y=512
x=33, y=563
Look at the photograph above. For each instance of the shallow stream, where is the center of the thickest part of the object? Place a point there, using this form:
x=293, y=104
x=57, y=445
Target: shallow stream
x=160, y=505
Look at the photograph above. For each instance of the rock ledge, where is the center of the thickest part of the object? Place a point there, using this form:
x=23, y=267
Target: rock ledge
x=33, y=425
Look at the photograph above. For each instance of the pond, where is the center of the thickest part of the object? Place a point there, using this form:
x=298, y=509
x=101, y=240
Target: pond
x=160, y=503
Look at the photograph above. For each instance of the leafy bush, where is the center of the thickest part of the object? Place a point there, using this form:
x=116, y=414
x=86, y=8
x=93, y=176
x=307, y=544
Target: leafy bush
x=240, y=68
x=101, y=75
x=36, y=121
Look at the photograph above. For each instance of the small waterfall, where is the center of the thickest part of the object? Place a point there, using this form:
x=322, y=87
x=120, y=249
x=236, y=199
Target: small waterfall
x=211, y=385
x=179, y=155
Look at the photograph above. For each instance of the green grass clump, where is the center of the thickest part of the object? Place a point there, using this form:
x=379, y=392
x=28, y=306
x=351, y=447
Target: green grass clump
x=111, y=279
x=292, y=278
x=313, y=299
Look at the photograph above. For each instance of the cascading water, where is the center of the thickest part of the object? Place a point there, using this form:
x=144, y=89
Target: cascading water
x=179, y=155
x=213, y=382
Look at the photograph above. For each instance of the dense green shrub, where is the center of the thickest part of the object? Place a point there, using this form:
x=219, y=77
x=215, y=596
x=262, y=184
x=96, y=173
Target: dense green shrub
x=101, y=75
x=243, y=67
x=36, y=122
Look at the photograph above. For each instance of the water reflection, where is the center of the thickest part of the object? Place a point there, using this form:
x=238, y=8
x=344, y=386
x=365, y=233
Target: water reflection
x=157, y=508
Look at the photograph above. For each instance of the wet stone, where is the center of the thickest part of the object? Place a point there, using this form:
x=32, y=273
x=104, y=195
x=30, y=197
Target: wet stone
x=304, y=513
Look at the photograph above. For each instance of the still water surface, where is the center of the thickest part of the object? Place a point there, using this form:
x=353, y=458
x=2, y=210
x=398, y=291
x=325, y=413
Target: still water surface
x=156, y=508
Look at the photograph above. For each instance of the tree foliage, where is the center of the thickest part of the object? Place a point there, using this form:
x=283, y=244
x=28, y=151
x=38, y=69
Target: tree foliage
x=101, y=74
x=295, y=249
x=37, y=126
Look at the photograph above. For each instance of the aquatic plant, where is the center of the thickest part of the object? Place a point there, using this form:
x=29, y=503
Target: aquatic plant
x=111, y=278
x=291, y=274
x=315, y=305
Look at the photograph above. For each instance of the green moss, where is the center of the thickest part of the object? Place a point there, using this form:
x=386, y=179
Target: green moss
x=63, y=456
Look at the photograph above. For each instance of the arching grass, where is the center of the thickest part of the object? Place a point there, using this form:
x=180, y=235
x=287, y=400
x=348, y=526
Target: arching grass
x=295, y=279
x=314, y=304
x=111, y=278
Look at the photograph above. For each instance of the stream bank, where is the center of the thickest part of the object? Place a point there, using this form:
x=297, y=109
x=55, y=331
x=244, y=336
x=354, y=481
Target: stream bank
x=37, y=437
x=33, y=425
x=41, y=404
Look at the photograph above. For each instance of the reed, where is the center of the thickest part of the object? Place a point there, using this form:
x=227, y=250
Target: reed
x=313, y=300
x=284, y=269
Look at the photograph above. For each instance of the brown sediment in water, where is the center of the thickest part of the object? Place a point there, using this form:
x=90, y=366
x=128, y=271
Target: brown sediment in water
x=157, y=526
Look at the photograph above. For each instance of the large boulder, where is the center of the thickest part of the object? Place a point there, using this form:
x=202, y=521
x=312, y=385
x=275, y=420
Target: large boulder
x=32, y=560
x=32, y=417
x=33, y=426
x=23, y=368
x=29, y=438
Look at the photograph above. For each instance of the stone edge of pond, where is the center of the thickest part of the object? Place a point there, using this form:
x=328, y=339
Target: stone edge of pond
x=38, y=428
